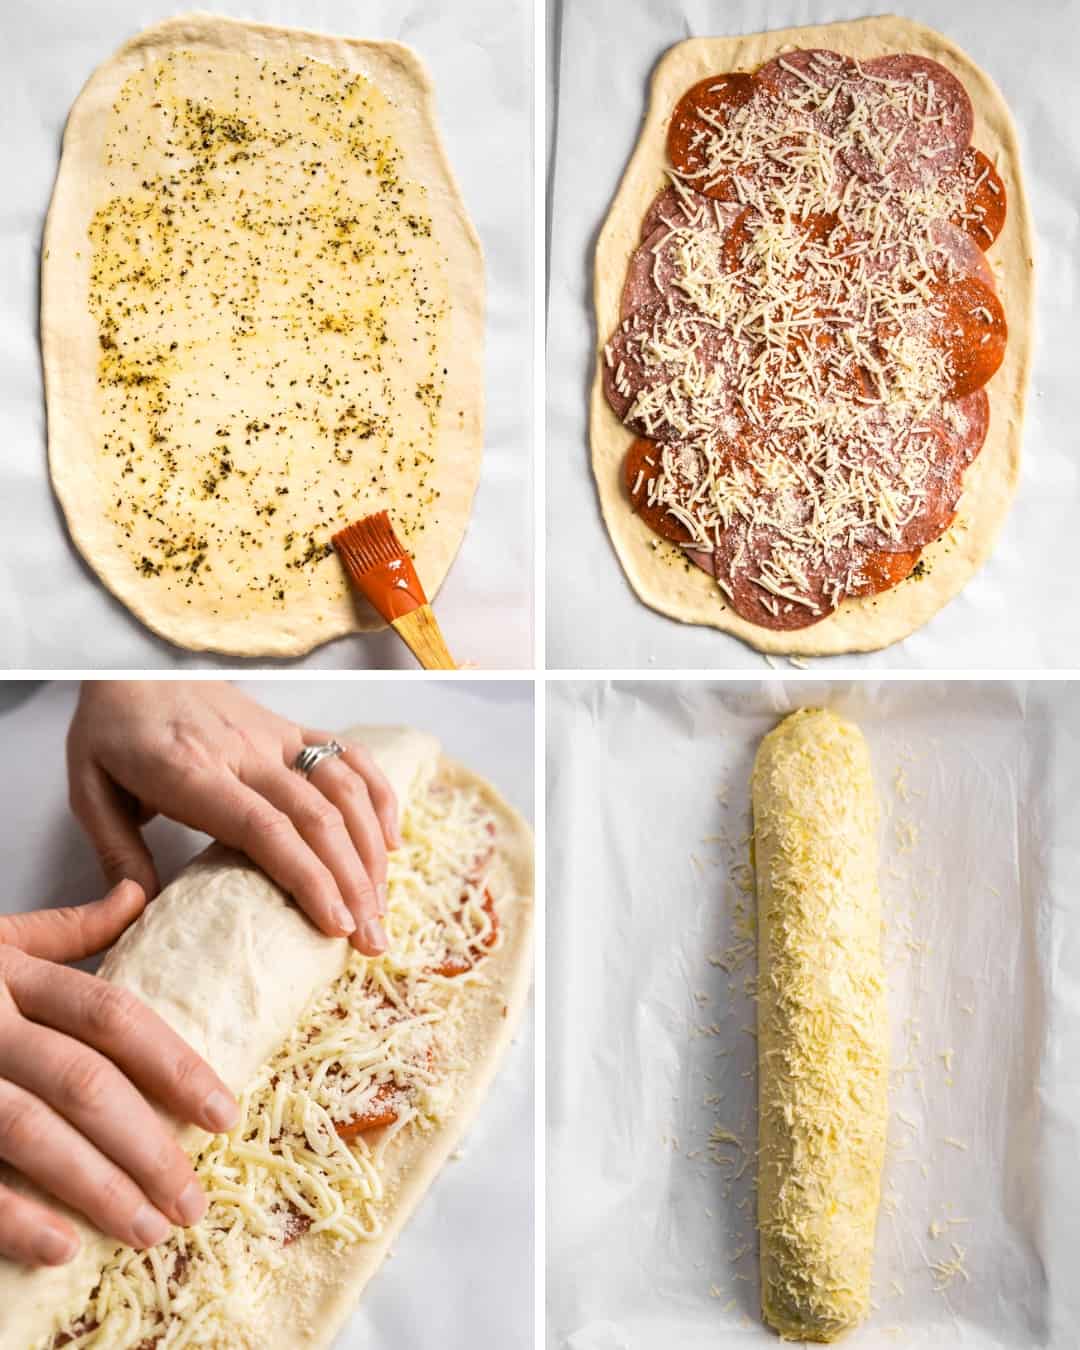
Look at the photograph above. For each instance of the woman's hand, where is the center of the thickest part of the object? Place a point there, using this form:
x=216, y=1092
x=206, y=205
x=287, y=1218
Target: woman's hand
x=208, y=756
x=76, y=1054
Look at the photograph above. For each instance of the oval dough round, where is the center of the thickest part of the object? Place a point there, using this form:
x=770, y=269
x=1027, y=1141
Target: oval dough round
x=262, y=318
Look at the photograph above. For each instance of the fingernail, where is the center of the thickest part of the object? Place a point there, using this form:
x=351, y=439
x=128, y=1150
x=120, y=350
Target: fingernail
x=54, y=1248
x=372, y=935
x=344, y=919
x=220, y=1111
x=380, y=898
x=191, y=1204
x=150, y=1227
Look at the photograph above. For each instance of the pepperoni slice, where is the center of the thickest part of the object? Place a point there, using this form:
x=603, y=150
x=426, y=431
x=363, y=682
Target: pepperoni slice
x=741, y=228
x=689, y=133
x=458, y=963
x=381, y=1111
x=881, y=571
x=982, y=214
x=641, y=465
x=738, y=240
x=968, y=320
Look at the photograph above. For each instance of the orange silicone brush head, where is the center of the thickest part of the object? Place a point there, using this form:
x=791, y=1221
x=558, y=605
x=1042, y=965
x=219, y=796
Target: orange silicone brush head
x=379, y=566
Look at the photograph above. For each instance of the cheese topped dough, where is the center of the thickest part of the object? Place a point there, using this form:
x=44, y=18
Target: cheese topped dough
x=381, y=1049
x=356, y=1076
x=822, y=1024
x=659, y=570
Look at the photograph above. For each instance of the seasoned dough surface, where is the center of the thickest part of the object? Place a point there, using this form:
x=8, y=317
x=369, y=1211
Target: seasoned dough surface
x=262, y=318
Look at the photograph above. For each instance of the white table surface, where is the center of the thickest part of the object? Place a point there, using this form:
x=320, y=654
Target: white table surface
x=1020, y=611
x=461, y=1275
x=54, y=614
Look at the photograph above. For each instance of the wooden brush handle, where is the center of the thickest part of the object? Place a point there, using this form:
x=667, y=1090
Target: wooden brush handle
x=422, y=635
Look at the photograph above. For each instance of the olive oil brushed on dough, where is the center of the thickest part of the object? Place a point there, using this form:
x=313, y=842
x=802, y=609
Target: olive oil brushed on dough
x=262, y=316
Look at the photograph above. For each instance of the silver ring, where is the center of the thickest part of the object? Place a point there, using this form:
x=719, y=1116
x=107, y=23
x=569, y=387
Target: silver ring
x=313, y=755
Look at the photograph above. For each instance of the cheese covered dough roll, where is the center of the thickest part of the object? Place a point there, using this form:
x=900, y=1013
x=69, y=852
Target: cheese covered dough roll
x=822, y=1024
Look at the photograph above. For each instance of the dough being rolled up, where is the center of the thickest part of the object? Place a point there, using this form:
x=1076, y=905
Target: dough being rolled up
x=230, y=963
x=822, y=1024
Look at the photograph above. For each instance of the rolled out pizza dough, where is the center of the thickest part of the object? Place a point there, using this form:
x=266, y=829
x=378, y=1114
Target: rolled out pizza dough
x=230, y=963
x=658, y=571
x=262, y=318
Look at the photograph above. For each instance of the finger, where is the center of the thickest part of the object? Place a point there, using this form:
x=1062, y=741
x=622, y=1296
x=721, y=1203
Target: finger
x=113, y=1021
x=75, y=931
x=100, y=809
x=32, y=1234
x=322, y=827
x=44, y=1147
x=242, y=818
x=383, y=797
x=95, y=1097
x=342, y=786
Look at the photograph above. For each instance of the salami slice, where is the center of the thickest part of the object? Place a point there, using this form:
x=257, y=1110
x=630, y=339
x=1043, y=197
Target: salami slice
x=948, y=251
x=682, y=266
x=911, y=120
x=870, y=573
x=957, y=252
x=966, y=421
x=650, y=273
x=675, y=208
x=813, y=84
x=940, y=488
x=769, y=584
x=672, y=374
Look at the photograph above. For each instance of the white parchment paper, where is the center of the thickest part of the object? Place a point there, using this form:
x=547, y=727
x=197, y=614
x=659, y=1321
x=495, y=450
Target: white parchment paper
x=461, y=1274
x=1019, y=611
x=54, y=614
x=651, y=1236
